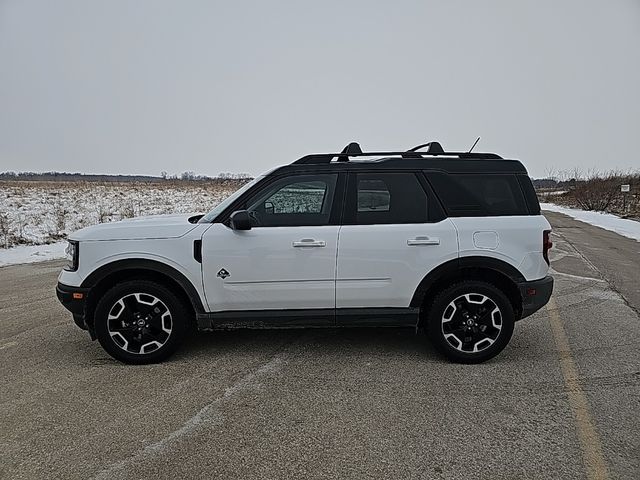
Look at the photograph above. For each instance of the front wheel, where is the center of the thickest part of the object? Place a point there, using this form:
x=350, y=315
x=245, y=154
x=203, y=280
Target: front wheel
x=140, y=322
x=471, y=321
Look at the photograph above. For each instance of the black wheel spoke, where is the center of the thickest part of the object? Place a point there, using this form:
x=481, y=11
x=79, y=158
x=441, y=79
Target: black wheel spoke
x=131, y=304
x=157, y=311
x=485, y=319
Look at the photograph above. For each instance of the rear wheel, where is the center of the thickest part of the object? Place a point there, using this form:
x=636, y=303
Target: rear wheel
x=140, y=322
x=471, y=321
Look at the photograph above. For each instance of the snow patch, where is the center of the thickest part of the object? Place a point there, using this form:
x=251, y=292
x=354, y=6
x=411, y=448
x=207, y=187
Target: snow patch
x=622, y=226
x=31, y=253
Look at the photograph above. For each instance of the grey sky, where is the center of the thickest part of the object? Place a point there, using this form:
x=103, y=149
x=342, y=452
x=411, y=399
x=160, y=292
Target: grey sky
x=144, y=86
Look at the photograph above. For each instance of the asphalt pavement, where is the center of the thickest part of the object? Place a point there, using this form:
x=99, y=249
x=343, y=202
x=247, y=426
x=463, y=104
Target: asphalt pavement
x=562, y=401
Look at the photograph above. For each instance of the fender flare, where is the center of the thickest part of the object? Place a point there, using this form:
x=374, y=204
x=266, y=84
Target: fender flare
x=146, y=265
x=453, y=267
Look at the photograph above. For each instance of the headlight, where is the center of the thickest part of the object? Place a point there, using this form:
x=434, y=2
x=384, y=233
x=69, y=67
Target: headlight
x=72, y=256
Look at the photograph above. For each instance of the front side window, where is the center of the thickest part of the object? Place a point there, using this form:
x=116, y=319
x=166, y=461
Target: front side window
x=388, y=198
x=299, y=200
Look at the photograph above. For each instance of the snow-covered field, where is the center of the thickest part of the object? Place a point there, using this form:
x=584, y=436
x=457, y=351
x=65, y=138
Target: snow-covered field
x=43, y=213
x=622, y=226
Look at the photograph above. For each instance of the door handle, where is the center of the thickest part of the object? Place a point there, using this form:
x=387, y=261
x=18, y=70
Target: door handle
x=310, y=242
x=423, y=241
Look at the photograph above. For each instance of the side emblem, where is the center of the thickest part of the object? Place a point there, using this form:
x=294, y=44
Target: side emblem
x=223, y=273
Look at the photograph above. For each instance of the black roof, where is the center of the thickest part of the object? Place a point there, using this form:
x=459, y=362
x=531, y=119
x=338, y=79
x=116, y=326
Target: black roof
x=435, y=158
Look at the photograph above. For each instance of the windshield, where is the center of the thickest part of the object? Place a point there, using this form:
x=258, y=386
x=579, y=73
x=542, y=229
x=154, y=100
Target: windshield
x=218, y=209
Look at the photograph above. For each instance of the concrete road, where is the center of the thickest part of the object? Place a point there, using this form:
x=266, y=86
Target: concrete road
x=562, y=401
x=615, y=258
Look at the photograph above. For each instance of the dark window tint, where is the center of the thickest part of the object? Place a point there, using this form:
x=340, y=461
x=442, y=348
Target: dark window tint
x=471, y=195
x=389, y=198
x=529, y=194
x=373, y=195
x=299, y=200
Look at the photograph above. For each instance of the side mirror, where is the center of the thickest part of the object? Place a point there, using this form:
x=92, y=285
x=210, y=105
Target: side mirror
x=240, y=220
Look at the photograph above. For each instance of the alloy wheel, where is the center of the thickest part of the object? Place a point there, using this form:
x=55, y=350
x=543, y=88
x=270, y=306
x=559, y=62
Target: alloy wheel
x=471, y=323
x=139, y=323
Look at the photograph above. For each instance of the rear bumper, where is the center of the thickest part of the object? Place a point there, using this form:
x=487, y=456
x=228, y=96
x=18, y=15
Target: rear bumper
x=73, y=299
x=535, y=295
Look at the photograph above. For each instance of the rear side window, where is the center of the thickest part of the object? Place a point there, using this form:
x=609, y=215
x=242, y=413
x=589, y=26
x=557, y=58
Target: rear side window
x=474, y=195
x=386, y=198
x=373, y=195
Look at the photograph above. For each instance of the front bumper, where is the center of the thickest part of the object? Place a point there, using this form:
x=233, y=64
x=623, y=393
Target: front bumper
x=535, y=295
x=73, y=299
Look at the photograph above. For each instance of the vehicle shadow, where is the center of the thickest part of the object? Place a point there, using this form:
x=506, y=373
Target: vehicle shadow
x=528, y=343
x=334, y=342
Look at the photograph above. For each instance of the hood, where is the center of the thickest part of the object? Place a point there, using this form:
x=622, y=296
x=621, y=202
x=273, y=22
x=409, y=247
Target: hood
x=139, y=228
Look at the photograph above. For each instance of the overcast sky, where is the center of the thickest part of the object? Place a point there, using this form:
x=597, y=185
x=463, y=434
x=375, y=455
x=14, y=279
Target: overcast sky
x=234, y=86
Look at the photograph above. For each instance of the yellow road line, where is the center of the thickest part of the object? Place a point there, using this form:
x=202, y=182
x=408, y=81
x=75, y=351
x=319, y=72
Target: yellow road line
x=594, y=463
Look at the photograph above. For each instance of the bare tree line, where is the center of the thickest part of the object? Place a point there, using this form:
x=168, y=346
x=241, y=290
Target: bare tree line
x=593, y=190
x=80, y=177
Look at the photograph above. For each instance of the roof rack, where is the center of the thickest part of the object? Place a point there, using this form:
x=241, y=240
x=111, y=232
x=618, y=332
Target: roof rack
x=354, y=150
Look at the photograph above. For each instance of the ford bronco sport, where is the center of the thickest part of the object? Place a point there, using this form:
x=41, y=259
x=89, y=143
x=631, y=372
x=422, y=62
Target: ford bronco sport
x=448, y=243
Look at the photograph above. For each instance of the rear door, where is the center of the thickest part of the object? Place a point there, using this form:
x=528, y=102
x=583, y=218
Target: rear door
x=288, y=258
x=394, y=234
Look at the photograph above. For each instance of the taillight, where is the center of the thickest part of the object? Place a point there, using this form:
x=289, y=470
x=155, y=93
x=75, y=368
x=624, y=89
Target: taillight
x=546, y=245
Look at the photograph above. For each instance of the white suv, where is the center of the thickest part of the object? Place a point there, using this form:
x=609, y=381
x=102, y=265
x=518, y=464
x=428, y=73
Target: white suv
x=449, y=243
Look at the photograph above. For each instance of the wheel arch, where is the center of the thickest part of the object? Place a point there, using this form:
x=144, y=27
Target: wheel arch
x=498, y=272
x=118, y=271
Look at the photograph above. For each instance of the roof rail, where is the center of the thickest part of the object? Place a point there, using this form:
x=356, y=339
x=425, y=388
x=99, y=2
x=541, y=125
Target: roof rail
x=354, y=150
x=434, y=148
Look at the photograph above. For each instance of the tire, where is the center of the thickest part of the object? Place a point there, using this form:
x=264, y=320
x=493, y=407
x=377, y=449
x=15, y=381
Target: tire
x=140, y=322
x=471, y=321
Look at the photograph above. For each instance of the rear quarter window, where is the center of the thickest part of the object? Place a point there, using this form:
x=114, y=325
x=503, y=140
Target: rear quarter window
x=482, y=194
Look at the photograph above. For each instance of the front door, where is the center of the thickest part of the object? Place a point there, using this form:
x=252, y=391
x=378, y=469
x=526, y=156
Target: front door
x=287, y=261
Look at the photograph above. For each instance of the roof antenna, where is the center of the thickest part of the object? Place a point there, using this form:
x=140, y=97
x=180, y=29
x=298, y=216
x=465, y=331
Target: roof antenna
x=474, y=144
